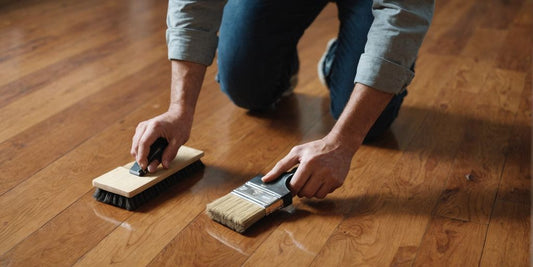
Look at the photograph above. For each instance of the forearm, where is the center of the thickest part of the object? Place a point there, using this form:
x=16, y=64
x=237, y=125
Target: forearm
x=187, y=78
x=362, y=110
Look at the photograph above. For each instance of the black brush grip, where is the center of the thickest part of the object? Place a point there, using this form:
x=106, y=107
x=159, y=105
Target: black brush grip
x=282, y=187
x=156, y=150
x=286, y=178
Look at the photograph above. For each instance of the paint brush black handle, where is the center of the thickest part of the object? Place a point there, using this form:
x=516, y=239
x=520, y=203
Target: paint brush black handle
x=156, y=153
x=283, y=187
x=281, y=184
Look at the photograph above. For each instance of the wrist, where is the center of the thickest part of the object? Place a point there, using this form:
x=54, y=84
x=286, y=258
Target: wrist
x=348, y=144
x=363, y=108
x=179, y=115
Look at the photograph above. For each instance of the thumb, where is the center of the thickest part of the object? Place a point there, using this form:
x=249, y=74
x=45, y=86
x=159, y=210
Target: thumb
x=282, y=166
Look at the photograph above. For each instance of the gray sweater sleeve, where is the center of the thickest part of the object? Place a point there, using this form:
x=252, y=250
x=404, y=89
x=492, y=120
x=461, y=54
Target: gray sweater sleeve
x=393, y=42
x=192, y=27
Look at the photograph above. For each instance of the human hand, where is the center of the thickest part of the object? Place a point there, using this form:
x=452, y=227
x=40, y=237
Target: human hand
x=323, y=166
x=169, y=125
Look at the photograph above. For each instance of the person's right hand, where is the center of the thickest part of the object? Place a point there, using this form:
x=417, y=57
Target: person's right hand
x=169, y=125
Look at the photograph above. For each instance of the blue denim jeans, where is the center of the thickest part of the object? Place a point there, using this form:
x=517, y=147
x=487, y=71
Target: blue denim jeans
x=257, y=52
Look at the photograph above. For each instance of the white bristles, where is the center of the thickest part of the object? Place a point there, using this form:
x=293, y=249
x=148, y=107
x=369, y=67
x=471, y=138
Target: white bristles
x=235, y=212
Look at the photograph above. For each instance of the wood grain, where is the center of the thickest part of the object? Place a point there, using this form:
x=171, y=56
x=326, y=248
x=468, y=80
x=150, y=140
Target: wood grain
x=471, y=189
x=45, y=149
x=449, y=242
x=447, y=185
x=507, y=242
x=516, y=176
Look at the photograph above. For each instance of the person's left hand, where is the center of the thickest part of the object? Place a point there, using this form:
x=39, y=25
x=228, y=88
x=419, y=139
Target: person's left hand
x=323, y=166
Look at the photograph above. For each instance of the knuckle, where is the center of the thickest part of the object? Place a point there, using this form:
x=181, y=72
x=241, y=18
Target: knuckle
x=305, y=192
x=311, y=161
x=295, y=150
x=155, y=124
x=141, y=125
x=296, y=188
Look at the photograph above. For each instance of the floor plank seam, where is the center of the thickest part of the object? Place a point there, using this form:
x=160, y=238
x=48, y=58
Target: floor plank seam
x=99, y=241
x=177, y=234
x=44, y=167
x=44, y=224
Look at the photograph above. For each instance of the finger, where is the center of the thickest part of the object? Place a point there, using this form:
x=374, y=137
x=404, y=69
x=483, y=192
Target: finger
x=139, y=131
x=153, y=166
x=283, y=165
x=299, y=179
x=311, y=187
x=323, y=191
x=146, y=141
x=170, y=153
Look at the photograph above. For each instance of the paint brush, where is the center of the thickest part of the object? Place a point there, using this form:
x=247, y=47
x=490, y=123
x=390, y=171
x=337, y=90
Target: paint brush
x=250, y=202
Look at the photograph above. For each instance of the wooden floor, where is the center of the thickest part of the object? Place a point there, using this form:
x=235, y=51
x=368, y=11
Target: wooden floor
x=77, y=76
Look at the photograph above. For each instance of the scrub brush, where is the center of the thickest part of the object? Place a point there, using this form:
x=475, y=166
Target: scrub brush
x=129, y=186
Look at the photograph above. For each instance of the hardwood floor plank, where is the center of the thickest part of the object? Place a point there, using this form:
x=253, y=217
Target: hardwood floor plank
x=67, y=131
x=25, y=112
x=450, y=242
x=508, y=237
x=501, y=14
x=32, y=72
x=62, y=37
x=221, y=251
x=484, y=45
x=524, y=17
x=453, y=40
x=60, y=18
x=63, y=241
x=471, y=190
x=15, y=12
x=516, y=53
x=516, y=177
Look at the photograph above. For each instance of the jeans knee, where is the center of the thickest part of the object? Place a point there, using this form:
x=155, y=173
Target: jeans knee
x=245, y=94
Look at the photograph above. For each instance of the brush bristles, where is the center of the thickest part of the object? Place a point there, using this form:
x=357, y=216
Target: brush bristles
x=235, y=212
x=151, y=192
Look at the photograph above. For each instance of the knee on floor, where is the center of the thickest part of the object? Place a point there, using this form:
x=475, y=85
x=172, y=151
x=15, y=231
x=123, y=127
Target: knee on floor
x=251, y=96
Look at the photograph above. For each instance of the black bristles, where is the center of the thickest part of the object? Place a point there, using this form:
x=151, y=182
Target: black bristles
x=143, y=197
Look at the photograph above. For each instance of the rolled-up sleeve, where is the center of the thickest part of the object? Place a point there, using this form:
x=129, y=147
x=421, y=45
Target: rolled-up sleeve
x=393, y=42
x=192, y=28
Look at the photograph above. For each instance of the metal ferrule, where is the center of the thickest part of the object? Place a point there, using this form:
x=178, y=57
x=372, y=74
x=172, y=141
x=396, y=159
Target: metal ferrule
x=270, y=196
x=270, y=201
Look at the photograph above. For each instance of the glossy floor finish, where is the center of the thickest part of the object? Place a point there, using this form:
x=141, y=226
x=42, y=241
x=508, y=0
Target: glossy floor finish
x=449, y=185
